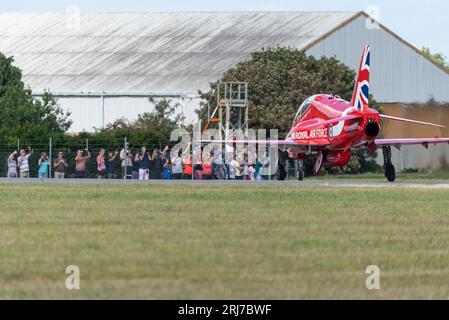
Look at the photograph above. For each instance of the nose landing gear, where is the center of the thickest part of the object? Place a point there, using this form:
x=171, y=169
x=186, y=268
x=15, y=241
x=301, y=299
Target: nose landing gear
x=389, y=169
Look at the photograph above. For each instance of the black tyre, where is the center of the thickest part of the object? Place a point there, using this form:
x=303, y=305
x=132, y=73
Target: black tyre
x=390, y=172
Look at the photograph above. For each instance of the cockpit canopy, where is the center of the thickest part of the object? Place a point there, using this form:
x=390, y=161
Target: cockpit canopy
x=303, y=108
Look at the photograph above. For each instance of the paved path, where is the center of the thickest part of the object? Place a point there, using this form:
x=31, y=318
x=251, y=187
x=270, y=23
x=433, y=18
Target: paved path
x=348, y=183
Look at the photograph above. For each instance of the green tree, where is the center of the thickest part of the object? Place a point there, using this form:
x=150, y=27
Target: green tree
x=22, y=115
x=438, y=58
x=148, y=127
x=280, y=80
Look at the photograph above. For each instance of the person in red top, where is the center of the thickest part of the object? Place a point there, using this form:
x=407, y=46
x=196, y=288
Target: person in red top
x=187, y=167
x=198, y=166
x=207, y=167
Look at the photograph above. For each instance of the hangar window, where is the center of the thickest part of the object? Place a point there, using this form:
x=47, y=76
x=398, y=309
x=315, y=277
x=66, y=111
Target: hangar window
x=303, y=108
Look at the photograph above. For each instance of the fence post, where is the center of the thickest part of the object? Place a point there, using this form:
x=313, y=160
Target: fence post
x=193, y=157
x=50, y=157
x=125, y=176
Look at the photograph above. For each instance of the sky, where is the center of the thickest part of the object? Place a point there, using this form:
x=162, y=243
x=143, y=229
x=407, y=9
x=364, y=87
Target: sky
x=422, y=23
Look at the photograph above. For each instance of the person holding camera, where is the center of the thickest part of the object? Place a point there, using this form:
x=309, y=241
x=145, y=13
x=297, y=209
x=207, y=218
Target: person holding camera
x=176, y=168
x=166, y=164
x=101, y=164
x=110, y=164
x=12, y=165
x=81, y=163
x=43, y=166
x=60, y=165
x=127, y=162
x=156, y=165
x=143, y=159
x=187, y=167
x=23, y=161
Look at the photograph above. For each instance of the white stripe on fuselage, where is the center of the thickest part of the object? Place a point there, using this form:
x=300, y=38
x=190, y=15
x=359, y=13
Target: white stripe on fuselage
x=338, y=128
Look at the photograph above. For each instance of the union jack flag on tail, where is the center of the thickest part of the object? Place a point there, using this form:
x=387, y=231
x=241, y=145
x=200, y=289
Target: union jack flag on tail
x=360, y=95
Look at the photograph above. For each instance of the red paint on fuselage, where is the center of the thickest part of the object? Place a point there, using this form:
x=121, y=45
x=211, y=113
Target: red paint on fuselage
x=336, y=137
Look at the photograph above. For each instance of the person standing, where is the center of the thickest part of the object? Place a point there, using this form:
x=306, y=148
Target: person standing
x=60, y=165
x=126, y=157
x=218, y=167
x=101, y=164
x=258, y=169
x=245, y=172
x=81, y=163
x=166, y=164
x=110, y=165
x=231, y=171
x=198, y=166
x=187, y=167
x=235, y=166
x=135, y=167
x=144, y=164
x=176, y=169
x=251, y=171
x=12, y=165
x=207, y=167
x=156, y=165
x=43, y=166
x=23, y=161
x=281, y=172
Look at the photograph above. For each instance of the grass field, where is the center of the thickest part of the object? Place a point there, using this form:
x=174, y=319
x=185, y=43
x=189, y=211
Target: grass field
x=432, y=176
x=223, y=241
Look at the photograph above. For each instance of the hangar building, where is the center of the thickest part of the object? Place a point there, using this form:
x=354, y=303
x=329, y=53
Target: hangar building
x=105, y=66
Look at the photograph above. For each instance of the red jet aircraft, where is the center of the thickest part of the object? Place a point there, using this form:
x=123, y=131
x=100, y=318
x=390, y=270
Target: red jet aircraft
x=331, y=128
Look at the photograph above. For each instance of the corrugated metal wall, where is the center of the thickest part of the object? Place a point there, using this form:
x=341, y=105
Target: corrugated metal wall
x=87, y=112
x=172, y=53
x=398, y=73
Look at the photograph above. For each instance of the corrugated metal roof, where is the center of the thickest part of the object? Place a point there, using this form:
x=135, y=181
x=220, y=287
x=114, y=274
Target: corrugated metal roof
x=161, y=53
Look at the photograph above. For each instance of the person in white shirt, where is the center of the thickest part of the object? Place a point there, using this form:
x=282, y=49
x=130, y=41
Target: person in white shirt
x=23, y=162
x=126, y=157
x=251, y=171
x=176, y=168
x=12, y=165
x=234, y=166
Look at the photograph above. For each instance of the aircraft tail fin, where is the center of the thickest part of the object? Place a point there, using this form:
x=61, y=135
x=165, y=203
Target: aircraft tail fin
x=360, y=94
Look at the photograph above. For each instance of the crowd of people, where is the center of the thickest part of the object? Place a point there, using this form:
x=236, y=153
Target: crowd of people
x=141, y=165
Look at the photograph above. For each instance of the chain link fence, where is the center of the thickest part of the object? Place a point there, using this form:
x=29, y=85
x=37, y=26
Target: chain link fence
x=69, y=147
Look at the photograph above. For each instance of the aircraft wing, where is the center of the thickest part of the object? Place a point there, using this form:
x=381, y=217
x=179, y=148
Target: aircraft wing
x=400, y=142
x=281, y=143
x=385, y=117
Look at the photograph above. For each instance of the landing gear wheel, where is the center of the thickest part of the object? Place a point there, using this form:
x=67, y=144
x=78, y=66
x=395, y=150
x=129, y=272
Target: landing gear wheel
x=390, y=172
x=300, y=174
